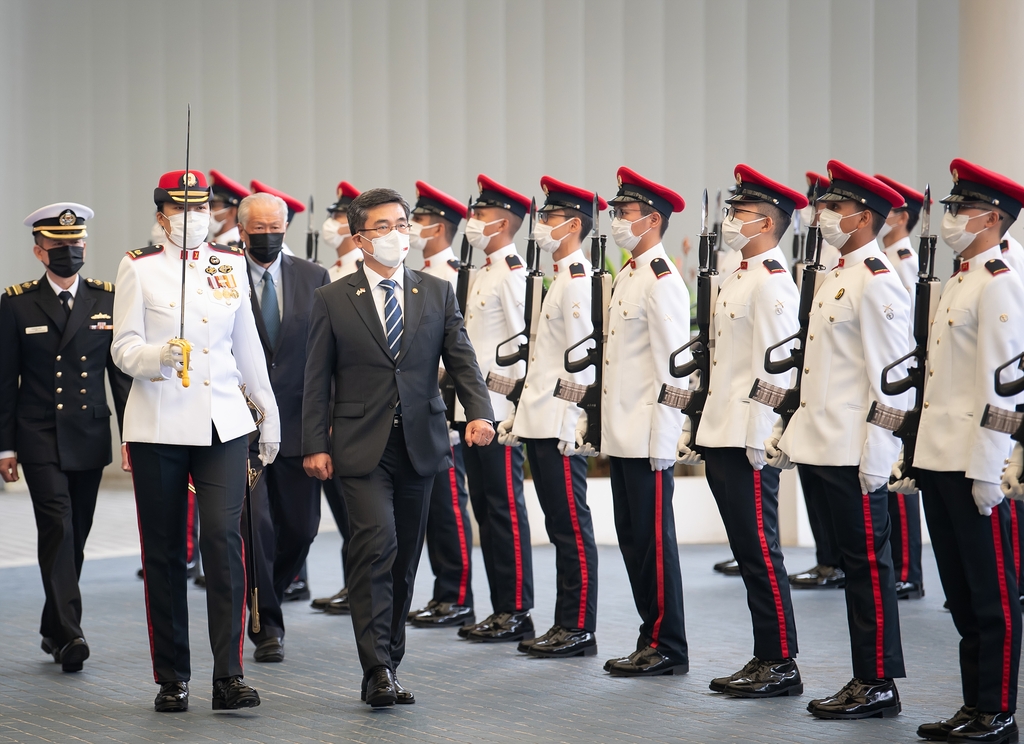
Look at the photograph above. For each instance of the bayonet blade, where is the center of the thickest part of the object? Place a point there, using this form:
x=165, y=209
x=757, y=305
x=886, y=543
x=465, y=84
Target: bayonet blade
x=704, y=212
x=597, y=216
x=533, y=215
x=926, y=210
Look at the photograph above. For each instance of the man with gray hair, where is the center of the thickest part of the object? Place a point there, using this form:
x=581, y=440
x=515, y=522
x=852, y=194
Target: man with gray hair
x=285, y=501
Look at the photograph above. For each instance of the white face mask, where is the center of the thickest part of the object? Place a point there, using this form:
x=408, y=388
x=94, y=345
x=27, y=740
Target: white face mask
x=390, y=250
x=475, y=233
x=333, y=231
x=545, y=241
x=198, y=228
x=216, y=225
x=622, y=233
x=886, y=229
x=831, y=231
x=416, y=239
x=732, y=232
x=954, y=231
x=807, y=214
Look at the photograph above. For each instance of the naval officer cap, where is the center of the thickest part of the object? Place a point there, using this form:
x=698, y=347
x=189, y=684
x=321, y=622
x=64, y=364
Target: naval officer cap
x=493, y=194
x=343, y=196
x=60, y=221
x=225, y=190
x=849, y=184
x=635, y=188
x=293, y=204
x=560, y=195
x=913, y=200
x=434, y=201
x=972, y=183
x=752, y=186
x=177, y=186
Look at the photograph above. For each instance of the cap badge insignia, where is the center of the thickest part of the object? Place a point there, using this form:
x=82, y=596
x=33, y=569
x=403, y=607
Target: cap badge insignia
x=67, y=218
x=739, y=180
x=214, y=260
x=226, y=269
x=889, y=314
x=190, y=179
x=841, y=292
x=211, y=269
x=830, y=176
x=620, y=181
x=545, y=188
x=956, y=176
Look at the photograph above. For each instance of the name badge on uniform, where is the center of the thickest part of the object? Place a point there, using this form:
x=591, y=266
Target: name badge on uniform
x=36, y=329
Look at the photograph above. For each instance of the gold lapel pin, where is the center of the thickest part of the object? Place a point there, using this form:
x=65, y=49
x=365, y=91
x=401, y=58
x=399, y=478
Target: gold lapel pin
x=415, y=291
x=360, y=291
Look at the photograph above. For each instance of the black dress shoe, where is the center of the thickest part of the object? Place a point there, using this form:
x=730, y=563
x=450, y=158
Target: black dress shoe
x=321, y=603
x=648, y=662
x=50, y=647
x=565, y=644
x=730, y=567
x=339, y=604
x=232, y=694
x=909, y=590
x=939, y=731
x=505, y=627
x=859, y=699
x=379, y=689
x=991, y=728
x=402, y=695
x=718, y=684
x=73, y=655
x=443, y=615
x=768, y=679
x=422, y=611
x=297, y=591
x=269, y=650
x=465, y=630
x=172, y=698
x=526, y=643
x=819, y=577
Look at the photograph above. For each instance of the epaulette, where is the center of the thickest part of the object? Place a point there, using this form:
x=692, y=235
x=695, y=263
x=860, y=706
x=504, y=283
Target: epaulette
x=149, y=250
x=660, y=267
x=996, y=267
x=221, y=248
x=875, y=265
x=1004, y=247
x=514, y=262
x=577, y=270
x=774, y=267
x=454, y=263
x=17, y=289
x=905, y=253
x=101, y=285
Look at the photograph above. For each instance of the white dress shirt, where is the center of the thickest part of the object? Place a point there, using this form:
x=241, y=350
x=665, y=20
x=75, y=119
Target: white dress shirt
x=380, y=293
x=73, y=289
x=258, y=275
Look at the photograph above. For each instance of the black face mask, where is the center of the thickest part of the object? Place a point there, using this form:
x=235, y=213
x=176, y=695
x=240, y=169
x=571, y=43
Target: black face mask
x=264, y=247
x=66, y=260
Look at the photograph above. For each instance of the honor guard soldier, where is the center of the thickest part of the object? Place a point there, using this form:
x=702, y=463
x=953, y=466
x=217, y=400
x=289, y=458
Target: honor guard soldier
x=54, y=420
x=494, y=314
x=904, y=509
x=649, y=319
x=225, y=196
x=435, y=218
x=547, y=425
x=202, y=430
x=979, y=325
x=294, y=207
x=335, y=233
x=756, y=308
x=859, y=322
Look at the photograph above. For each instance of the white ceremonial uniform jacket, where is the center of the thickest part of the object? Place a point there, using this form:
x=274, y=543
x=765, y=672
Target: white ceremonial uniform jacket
x=649, y=318
x=564, y=320
x=494, y=313
x=979, y=325
x=229, y=237
x=1013, y=256
x=728, y=261
x=443, y=265
x=345, y=265
x=830, y=255
x=757, y=307
x=903, y=257
x=859, y=323
x=226, y=348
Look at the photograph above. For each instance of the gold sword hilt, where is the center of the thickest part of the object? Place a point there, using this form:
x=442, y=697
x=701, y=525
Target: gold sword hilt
x=186, y=352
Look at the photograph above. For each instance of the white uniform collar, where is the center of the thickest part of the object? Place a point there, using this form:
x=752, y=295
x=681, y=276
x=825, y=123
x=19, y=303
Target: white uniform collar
x=748, y=263
x=645, y=258
x=73, y=289
x=350, y=258
x=853, y=258
x=442, y=256
x=575, y=257
x=494, y=257
x=975, y=263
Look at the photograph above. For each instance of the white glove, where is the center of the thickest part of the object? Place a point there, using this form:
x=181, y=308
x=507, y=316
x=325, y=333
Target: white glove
x=171, y=357
x=657, y=464
x=1011, y=485
x=870, y=483
x=898, y=481
x=684, y=454
x=774, y=456
x=268, y=452
x=566, y=449
x=583, y=448
x=505, y=436
x=987, y=496
x=453, y=437
x=756, y=458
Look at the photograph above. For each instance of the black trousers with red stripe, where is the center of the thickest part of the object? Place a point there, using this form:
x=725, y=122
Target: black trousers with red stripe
x=1017, y=536
x=160, y=473
x=646, y=528
x=826, y=545
x=561, y=484
x=975, y=559
x=450, y=535
x=495, y=477
x=748, y=500
x=862, y=528
x=905, y=516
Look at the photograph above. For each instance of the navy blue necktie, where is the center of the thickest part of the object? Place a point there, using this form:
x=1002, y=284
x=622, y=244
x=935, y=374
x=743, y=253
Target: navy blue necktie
x=268, y=306
x=392, y=317
x=65, y=302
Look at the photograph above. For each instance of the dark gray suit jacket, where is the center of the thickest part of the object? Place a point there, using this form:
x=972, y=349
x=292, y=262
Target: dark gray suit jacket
x=347, y=344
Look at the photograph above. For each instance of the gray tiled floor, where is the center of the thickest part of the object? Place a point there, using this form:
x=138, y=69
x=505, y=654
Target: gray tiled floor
x=465, y=692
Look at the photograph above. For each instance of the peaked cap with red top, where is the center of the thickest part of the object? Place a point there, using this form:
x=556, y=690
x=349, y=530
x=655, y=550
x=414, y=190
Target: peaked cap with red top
x=493, y=194
x=849, y=184
x=752, y=186
x=225, y=189
x=176, y=186
x=813, y=177
x=294, y=205
x=434, y=201
x=972, y=183
x=913, y=200
x=635, y=188
x=560, y=195
x=344, y=195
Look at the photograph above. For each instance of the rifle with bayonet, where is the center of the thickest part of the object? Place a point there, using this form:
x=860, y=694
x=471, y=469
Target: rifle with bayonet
x=312, y=237
x=513, y=388
x=691, y=401
x=904, y=424
x=588, y=397
x=798, y=245
x=999, y=419
x=716, y=230
x=465, y=278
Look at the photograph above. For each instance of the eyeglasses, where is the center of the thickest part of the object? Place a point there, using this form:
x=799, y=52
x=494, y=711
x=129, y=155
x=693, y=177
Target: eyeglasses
x=622, y=213
x=402, y=227
x=543, y=217
x=731, y=211
x=954, y=208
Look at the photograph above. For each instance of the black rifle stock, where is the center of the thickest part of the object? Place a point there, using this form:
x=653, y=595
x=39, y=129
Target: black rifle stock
x=999, y=419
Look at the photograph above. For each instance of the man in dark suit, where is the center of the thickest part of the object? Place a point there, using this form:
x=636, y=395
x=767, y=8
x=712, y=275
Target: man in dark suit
x=55, y=333
x=380, y=334
x=286, y=501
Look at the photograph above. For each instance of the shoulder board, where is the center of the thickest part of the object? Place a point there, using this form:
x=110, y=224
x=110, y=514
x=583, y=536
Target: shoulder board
x=17, y=289
x=905, y=253
x=875, y=265
x=774, y=267
x=996, y=267
x=149, y=250
x=454, y=263
x=577, y=270
x=220, y=248
x=514, y=262
x=660, y=267
x=100, y=285
x=1004, y=247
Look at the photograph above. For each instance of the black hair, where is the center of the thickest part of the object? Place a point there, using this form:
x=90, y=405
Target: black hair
x=877, y=220
x=646, y=209
x=586, y=223
x=357, y=210
x=780, y=217
x=450, y=228
x=912, y=217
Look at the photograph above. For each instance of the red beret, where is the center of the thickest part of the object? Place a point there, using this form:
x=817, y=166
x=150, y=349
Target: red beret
x=559, y=194
x=434, y=201
x=294, y=205
x=752, y=186
x=226, y=189
x=849, y=184
x=344, y=195
x=913, y=199
x=635, y=188
x=493, y=194
x=172, y=188
x=972, y=183
x=812, y=178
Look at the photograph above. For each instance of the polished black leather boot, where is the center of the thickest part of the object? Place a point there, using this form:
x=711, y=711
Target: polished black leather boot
x=172, y=698
x=379, y=688
x=819, y=577
x=909, y=590
x=443, y=615
x=767, y=679
x=648, y=662
x=322, y=603
x=73, y=655
x=504, y=627
x=297, y=591
x=524, y=645
x=270, y=650
x=718, y=683
x=859, y=699
x=991, y=728
x=233, y=694
x=730, y=567
x=564, y=644
x=402, y=695
x=939, y=731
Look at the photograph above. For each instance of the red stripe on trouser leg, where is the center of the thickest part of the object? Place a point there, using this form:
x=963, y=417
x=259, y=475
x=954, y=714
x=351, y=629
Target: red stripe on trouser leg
x=190, y=546
x=580, y=551
x=659, y=557
x=145, y=580
x=1015, y=538
x=1004, y=598
x=513, y=513
x=904, y=537
x=776, y=594
x=463, y=548
x=876, y=589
